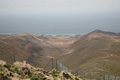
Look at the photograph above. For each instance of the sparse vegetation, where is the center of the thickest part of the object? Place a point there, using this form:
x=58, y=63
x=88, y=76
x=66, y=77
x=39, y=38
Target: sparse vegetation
x=25, y=71
x=35, y=77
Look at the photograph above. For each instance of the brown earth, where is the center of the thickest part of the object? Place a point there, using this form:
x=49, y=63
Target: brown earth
x=37, y=50
x=96, y=53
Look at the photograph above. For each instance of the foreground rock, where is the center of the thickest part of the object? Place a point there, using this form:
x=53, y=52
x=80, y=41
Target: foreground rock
x=23, y=71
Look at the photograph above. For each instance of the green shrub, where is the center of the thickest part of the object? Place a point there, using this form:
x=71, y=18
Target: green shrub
x=8, y=66
x=72, y=78
x=19, y=72
x=35, y=77
x=83, y=79
x=44, y=79
x=1, y=66
x=12, y=70
x=56, y=73
x=9, y=79
x=77, y=79
x=17, y=68
x=27, y=76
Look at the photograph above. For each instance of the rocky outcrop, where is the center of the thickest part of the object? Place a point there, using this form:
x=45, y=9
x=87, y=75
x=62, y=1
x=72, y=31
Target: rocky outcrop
x=2, y=62
x=23, y=71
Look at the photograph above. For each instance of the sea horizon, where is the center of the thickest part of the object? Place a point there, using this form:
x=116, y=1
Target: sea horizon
x=38, y=34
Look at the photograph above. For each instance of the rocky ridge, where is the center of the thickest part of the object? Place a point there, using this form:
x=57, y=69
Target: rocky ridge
x=23, y=71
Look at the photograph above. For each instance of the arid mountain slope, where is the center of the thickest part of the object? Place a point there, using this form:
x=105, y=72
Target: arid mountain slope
x=35, y=49
x=4, y=36
x=96, y=54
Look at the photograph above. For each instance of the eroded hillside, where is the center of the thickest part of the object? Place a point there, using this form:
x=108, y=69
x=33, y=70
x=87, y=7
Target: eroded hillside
x=35, y=49
x=96, y=53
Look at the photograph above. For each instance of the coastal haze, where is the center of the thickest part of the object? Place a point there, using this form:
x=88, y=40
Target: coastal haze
x=59, y=16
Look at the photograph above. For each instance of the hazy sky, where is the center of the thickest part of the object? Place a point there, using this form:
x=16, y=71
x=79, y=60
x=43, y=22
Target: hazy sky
x=59, y=16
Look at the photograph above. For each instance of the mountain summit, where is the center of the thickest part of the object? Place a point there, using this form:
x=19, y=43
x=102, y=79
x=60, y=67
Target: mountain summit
x=97, y=31
x=103, y=32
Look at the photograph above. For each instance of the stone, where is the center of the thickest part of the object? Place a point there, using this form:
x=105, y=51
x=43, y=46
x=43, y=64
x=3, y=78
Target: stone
x=66, y=75
x=15, y=78
x=26, y=70
x=2, y=62
x=22, y=64
x=57, y=79
x=24, y=79
x=51, y=77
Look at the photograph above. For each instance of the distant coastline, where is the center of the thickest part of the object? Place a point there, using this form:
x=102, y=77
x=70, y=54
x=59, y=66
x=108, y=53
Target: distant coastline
x=37, y=34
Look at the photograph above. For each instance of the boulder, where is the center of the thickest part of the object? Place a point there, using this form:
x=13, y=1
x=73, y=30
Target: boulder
x=57, y=79
x=2, y=62
x=66, y=75
x=26, y=71
x=22, y=64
